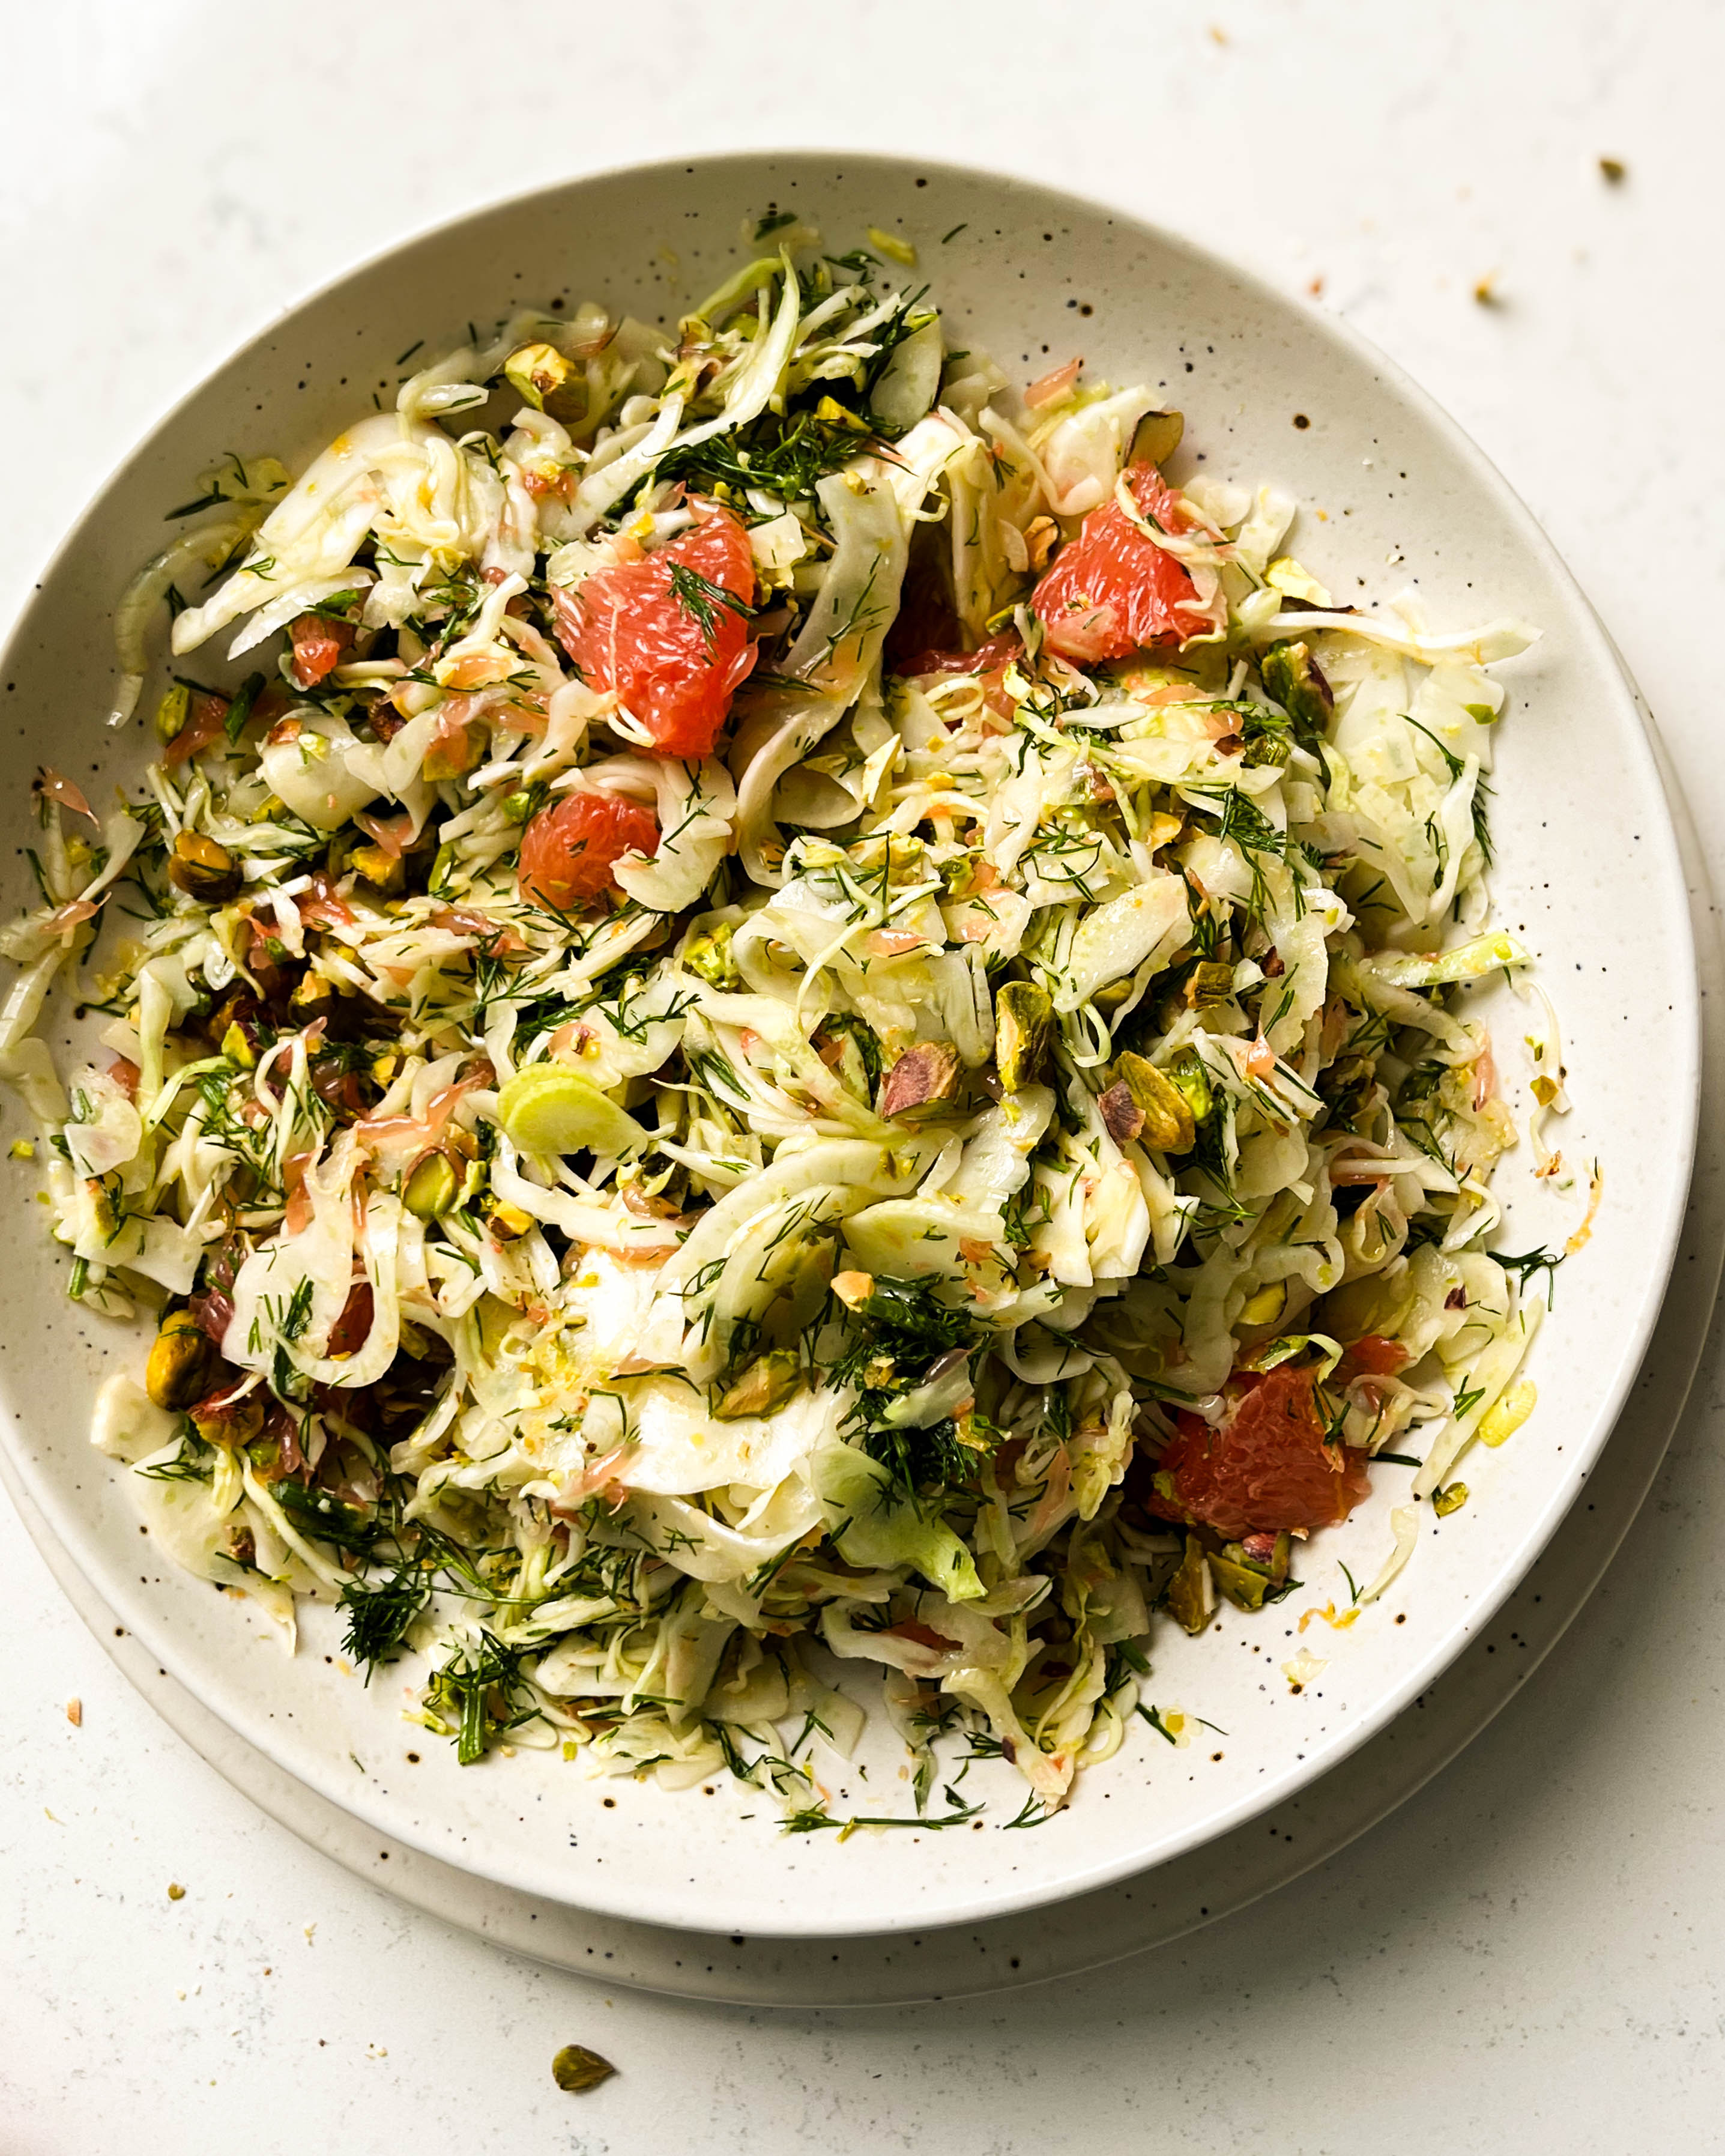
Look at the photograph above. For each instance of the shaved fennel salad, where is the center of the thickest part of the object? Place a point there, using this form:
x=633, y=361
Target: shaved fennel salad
x=770, y=1005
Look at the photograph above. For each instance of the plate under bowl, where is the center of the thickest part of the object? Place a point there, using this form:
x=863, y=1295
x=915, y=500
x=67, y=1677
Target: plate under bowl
x=1588, y=876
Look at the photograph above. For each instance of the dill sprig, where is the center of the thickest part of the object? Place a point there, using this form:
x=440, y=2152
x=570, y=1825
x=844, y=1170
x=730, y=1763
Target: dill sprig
x=1034, y=1813
x=1481, y=792
x=786, y=457
x=380, y=1616
x=194, y=1462
x=346, y=1527
x=703, y=601
x=1529, y=1266
x=1239, y=818
x=898, y=1335
x=480, y=1688
x=814, y=1821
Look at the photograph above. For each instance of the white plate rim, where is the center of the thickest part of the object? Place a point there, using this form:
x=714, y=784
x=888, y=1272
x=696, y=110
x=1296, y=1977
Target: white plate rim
x=1603, y=664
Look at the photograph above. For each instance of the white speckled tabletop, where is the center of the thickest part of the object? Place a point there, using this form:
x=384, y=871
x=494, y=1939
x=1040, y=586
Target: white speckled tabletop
x=1528, y=1955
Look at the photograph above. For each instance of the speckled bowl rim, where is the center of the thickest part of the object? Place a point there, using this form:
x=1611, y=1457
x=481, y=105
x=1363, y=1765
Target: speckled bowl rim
x=641, y=1902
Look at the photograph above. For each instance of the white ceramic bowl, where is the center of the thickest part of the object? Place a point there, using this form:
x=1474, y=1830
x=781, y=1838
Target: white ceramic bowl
x=1588, y=876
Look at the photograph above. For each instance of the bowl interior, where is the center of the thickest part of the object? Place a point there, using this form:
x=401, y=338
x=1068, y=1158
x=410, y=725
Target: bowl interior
x=1588, y=875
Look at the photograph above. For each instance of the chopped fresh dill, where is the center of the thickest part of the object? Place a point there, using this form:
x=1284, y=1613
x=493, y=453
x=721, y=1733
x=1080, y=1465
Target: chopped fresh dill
x=703, y=601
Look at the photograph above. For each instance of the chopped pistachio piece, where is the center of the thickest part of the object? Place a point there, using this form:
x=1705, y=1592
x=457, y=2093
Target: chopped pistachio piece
x=1292, y=578
x=1158, y=437
x=1040, y=535
x=237, y=1048
x=1210, y=985
x=1265, y=745
x=313, y=997
x=550, y=382
x=768, y=1383
x=840, y=415
x=1296, y=680
x=181, y=1362
x=430, y=1190
x=1268, y=1553
x=1169, y=1124
x=221, y=1420
x=1449, y=1499
x=170, y=713
x=1184, y=1072
x=455, y=755
x=1243, y=1584
x=1266, y=1306
x=1502, y=1421
x=923, y=1077
x=707, y=954
x=1190, y=1602
x=384, y=871
x=203, y=870
x=576, y=2069
x=1122, y=1117
x=802, y=1291
x=1024, y=1034
x=509, y=1221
